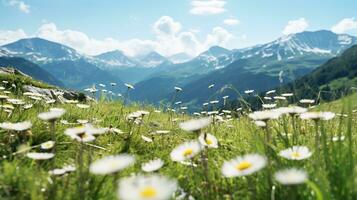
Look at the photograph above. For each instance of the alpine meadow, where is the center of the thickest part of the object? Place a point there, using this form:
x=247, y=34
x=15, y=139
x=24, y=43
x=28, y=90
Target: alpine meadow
x=178, y=100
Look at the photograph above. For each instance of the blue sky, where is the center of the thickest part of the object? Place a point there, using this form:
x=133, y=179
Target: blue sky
x=169, y=26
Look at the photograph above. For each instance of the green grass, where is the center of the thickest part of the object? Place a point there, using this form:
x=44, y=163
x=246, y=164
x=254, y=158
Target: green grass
x=332, y=173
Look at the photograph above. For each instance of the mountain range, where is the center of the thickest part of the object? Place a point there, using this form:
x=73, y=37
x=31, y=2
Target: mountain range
x=259, y=67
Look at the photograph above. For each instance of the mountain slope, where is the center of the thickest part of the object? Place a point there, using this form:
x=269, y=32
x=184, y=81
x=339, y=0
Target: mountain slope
x=288, y=57
x=30, y=69
x=114, y=59
x=335, y=77
x=41, y=51
x=79, y=74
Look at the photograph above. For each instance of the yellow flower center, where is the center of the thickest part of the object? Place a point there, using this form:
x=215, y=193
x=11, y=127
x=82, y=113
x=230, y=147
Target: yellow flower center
x=209, y=142
x=295, y=155
x=148, y=192
x=243, y=165
x=188, y=152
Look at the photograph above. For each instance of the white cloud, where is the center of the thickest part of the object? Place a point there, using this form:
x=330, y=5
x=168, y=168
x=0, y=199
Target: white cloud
x=231, y=22
x=207, y=7
x=169, y=39
x=219, y=36
x=11, y=36
x=20, y=5
x=345, y=25
x=166, y=25
x=296, y=26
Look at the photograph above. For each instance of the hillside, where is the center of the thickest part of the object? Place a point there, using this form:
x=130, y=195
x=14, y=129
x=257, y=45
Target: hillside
x=30, y=69
x=331, y=80
x=85, y=151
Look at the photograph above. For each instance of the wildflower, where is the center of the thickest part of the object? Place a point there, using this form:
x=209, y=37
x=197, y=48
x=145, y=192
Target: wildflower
x=52, y=115
x=152, y=165
x=28, y=106
x=47, y=145
x=129, y=86
x=291, y=110
x=307, y=101
x=57, y=172
x=178, y=89
x=162, y=131
x=279, y=98
x=287, y=94
x=79, y=134
x=84, y=106
x=51, y=101
x=260, y=123
x=196, y=124
x=270, y=92
x=243, y=165
x=269, y=106
x=248, y=91
x=20, y=126
x=264, y=115
x=40, y=156
x=296, y=153
x=291, y=176
x=185, y=151
x=152, y=187
x=111, y=164
x=16, y=101
x=338, y=138
x=146, y=139
x=69, y=168
x=208, y=140
x=318, y=115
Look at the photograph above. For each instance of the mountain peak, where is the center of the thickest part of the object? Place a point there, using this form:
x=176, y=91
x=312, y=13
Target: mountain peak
x=216, y=51
x=40, y=50
x=152, y=59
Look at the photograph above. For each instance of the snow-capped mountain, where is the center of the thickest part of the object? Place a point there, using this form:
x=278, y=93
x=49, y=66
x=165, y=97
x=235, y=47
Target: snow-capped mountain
x=215, y=57
x=40, y=51
x=152, y=59
x=317, y=43
x=113, y=59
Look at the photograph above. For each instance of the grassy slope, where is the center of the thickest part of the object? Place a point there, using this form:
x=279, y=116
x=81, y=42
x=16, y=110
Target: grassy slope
x=22, y=178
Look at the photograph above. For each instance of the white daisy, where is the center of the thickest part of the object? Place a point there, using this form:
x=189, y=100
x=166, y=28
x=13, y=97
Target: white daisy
x=291, y=176
x=40, y=156
x=47, y=145
x=248, y=91
x=208, y=140
x=269, y=106
x=318, y=115
x=152, y=165
x=146, y=139
x=243, y=165
x=178, y=89
x=52, y=115
x=307, y=101
x=264, y=115
x=260, y=123
x=151, y=187
x=196, y=124
x=20, y=126
x=84, y=106
x=185, y=151
x=296, y=153
x=337, y=138
x=111, y=164
x=57, y=172
x=291, y=110
x=129, y=86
